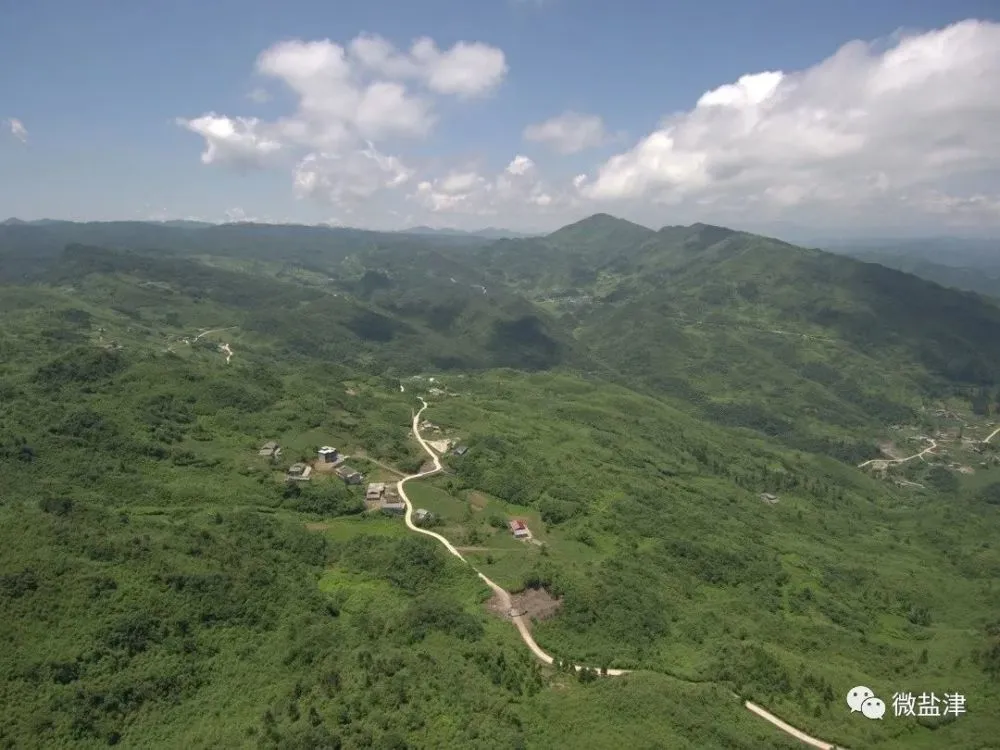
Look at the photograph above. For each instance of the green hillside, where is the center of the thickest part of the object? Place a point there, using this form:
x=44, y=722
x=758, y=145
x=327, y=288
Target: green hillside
x=677, y=415
x=813, y=348
x=979, y=275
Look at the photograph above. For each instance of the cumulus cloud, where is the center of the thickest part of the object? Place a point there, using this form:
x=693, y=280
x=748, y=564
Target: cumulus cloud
x=868, y=125
x=335, y=104
x=240, y=140
x=347, y=97
x=467, y=69
x=900, y=130
x=569, y=132
x=517, y=187
x=17, y=129
x=348, y=177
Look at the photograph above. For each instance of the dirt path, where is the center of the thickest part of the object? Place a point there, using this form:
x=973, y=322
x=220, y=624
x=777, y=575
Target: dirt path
x=992, y=435
x=519, y=620
x=501, y=592
x=789, y=729
x=928, y=449
x=213, y=330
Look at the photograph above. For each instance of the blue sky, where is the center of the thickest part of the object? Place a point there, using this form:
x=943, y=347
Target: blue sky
x=102, y=100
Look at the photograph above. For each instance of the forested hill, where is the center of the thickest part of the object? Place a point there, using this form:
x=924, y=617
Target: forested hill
x=403, y=322
x=813, y=348
x=974, y=272
x=680, y=429
x=807, y=346
x=28, y=248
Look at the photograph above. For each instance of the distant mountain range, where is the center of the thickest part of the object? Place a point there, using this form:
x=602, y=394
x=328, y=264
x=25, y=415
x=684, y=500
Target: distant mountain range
x=961, y=263
x=712, y=316
x=489, y=233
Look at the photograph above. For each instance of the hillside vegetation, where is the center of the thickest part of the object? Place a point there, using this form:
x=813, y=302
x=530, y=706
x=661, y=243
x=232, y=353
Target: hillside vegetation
x=620, y=389
x=808, y=347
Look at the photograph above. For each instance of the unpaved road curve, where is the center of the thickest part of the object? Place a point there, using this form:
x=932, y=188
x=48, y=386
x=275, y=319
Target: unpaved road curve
x=519, y=620
x=928, y=449
x=789, y=729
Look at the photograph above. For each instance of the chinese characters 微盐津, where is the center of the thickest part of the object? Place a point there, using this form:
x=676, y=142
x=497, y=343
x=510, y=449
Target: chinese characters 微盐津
x=928, y=704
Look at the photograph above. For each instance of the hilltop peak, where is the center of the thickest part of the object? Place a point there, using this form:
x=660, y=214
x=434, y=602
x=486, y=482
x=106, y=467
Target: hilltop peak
x=601, y=222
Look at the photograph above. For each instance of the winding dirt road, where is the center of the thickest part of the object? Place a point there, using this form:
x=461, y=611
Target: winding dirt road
x=519, y=620
x=789, y=729
x=502, y=593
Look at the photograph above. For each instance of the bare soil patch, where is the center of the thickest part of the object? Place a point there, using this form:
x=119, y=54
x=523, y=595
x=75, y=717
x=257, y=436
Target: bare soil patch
x=477, y=501
x=889, y=450
x=537, y=604
x=495, y=607
x=317, y=526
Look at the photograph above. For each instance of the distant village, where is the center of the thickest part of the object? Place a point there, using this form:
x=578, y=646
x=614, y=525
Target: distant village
x=948, y=446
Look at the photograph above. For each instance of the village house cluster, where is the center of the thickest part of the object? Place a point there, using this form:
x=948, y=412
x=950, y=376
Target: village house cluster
x=328, y=459
x=381, y=496
x=384, y=497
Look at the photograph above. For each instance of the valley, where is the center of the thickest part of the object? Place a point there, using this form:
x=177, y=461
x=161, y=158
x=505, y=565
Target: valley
x=152, y=558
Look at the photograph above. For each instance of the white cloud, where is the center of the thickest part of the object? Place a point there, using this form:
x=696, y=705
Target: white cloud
x=516, y=189
x=349, y=177
x=520, y=165
x=360, y=92
x=335, y=104
x=348, y=96
x=467, y=69
x=17, y=129
x=460, y=182
x=867, y=129
x=259, y=96
x=237, y=141
x=900, y=131
x=970, y=210
x=569, y=132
